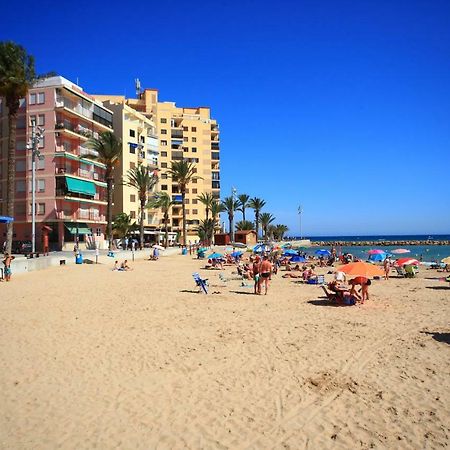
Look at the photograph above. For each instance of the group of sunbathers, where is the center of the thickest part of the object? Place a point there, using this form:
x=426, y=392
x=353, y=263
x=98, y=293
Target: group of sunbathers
x=123, y=267
x=348, y=294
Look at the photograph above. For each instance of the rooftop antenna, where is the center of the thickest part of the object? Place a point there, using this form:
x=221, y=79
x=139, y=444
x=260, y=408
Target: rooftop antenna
x=137, y=83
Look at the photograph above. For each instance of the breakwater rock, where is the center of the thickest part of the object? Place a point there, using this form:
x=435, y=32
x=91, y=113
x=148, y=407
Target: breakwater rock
x=376, y=243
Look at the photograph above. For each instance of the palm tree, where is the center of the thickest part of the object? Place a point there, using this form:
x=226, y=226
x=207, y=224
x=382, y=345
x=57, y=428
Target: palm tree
x=163, y=201
x=245, y=225
x=206, y=230
x=230, y=205
x=279, y=231
x=257, y=204
x=216, y=208
x=266, y=220
x=183, y=173
x=122, y=225
x=143, y=180
x=16, y=77
x=108, y=149
x=207, y=199
x=243, y=203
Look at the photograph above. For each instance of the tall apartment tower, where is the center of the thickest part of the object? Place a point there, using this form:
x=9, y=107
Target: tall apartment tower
x=70, y=188
x=183, y=133
x=139, y=146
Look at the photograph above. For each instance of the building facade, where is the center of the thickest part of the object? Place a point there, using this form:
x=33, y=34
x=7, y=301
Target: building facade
x=70, y=187
x=183, y=133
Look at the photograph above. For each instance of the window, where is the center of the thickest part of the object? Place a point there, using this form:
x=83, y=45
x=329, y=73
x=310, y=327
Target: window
x=163, y=143
x=132, y=214
x=132, y=198
x=185, y=139
x=99, y=231
x=194, y=129
x=186, y=201
x=164, y=154
x=194, y=139
x=164, y=187
x=32, y=99
x=21, y=145
x=163, y=120
x=41, y=98
x=194, y=181
x=101, y=115
x=194, y=149
x=41, y=142
x=40, y=163
x=40, y=208
x=195, y=211
x=20, y=123
x=164, y=165
x=132, y=133
x=20, y=165
x=195, y=201
x=185, y=128
x=163, y=131
x=133, y=148
x=20, y=186
x=164, y=176
x=40, y=186
x=194, y=191
x=32, y=119
x=185, y=149
x=187, y=211
x=143, y=139
x=132, y=165
x=41, y=120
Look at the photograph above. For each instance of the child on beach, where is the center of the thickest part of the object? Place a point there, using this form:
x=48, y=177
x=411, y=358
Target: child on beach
x=7, y=264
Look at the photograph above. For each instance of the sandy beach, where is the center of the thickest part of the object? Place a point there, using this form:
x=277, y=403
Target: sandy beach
x=91, y=358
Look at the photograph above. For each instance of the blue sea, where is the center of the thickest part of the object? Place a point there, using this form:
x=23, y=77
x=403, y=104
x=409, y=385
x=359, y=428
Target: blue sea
x=426, y=252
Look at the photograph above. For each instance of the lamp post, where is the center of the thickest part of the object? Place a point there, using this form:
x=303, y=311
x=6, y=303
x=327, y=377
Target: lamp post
x=300, y=212
x=233, y=196
x=36, y=136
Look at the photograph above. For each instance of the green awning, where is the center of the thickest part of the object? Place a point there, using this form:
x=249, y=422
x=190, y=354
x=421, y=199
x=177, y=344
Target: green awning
x=80, y=186
x=82, y=228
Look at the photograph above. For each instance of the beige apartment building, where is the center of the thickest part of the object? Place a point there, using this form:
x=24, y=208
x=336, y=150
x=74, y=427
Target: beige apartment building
x=182, y=133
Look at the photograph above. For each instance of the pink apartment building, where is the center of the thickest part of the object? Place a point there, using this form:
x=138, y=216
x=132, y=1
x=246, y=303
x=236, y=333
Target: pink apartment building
x=70, y=188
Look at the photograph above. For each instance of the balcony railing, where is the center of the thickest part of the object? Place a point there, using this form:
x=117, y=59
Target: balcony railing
x=83, y=173
x=215, y=146
x=81, y=215
x=63, y=102
x=78, y=129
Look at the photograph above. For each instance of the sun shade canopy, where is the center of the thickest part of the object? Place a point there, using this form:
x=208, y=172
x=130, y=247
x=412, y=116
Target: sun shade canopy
x=80, y=186
x=82, y=228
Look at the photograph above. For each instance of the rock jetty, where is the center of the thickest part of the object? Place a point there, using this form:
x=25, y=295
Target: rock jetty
x=375, y=243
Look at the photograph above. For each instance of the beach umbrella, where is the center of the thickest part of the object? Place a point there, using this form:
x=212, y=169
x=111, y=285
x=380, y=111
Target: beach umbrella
x=290, y=253
x=446, y=260
x=215, y=256
x=239, y=244
x=6, y=219
x=323, y=252
x=376, y=252
x=377, y=257
x=407, y=262
x=158, y=247
x=260, y=248
x=297, y=259
x=236, y=254
x=362, y=269
x=400, y=251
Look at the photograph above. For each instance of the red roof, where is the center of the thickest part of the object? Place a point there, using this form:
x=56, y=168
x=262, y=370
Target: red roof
x=245, y=232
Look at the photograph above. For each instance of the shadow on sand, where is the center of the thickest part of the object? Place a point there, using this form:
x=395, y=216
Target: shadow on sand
x=321, y=302
x=439, y=288
x=242, y=292
x=440, y=337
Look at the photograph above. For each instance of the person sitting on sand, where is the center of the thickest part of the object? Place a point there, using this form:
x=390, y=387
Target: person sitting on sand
x=291, y=275
x=125, y=266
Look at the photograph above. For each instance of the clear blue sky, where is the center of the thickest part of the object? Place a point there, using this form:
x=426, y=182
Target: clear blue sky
x=342, y=106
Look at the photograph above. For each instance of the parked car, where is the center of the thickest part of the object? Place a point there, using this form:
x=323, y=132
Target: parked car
x=21, y=247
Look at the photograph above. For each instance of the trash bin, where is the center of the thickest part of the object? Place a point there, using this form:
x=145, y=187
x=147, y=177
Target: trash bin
x=78, y=258
x=184, y=251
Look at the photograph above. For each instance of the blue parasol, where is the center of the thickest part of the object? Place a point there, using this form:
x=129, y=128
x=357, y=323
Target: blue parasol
x=297, y=259
x=6, y=219
x=236, y=254
x=323, y=252
x=290, y=252
x=215, y=256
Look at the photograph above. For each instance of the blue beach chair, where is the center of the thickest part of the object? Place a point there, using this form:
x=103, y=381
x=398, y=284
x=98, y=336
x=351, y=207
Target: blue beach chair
x=200, y=282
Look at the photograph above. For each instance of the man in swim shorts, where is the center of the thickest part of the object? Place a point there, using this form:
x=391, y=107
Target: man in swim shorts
x=7, y=263
x=265, y=270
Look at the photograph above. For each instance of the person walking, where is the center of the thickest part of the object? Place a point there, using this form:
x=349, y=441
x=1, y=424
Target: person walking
x=7, y=263
x=387, y=267
x=255, y=269
x=265, y=271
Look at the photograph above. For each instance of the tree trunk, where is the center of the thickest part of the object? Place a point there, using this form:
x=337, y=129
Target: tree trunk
x=166, y=229
x=257, y=224
x=109, y=189
x=141, y=224
x=11, y=180
x=243, y=213
x=183, y=207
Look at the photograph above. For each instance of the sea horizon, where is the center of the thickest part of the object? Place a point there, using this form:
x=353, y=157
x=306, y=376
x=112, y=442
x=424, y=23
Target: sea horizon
x=378, y=237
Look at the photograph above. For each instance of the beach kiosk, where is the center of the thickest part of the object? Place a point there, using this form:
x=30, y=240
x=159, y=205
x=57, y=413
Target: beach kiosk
x=247, y=237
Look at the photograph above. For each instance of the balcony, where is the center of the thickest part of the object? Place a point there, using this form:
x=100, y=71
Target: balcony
x=175, y=134
x=152, y=143
x=215, y=176
x=177, y=155
x=215, y=146
x=82, y=173
x=81, y=215
x=215, y=156
x=77, y=130
x=215, y=184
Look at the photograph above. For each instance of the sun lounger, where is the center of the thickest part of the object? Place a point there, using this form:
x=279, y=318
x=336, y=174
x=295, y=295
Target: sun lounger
x=410, y=271
x=200, y=282
x=401, y=272
x=330, y=296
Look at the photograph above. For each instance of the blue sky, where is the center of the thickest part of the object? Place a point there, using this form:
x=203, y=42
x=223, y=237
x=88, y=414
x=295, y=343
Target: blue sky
x=342, y=106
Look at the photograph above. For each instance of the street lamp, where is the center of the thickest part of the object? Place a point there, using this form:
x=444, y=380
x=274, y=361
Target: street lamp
x=233, y=196
x=37, y=134
x=300, y=212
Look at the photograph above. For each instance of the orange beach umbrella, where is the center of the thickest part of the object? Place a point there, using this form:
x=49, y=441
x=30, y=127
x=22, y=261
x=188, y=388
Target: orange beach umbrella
x=362, y=269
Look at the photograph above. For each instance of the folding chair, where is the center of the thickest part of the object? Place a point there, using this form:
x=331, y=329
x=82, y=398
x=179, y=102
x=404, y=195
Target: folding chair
x=200, y=282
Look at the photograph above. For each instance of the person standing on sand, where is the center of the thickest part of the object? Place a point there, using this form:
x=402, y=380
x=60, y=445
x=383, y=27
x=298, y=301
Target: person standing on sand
x=387, y=267
x=7, y=263
x=265, y=270
x=256, y=264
